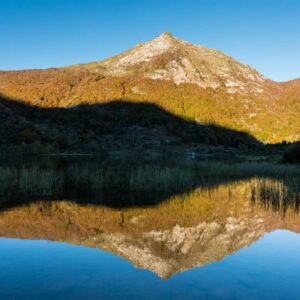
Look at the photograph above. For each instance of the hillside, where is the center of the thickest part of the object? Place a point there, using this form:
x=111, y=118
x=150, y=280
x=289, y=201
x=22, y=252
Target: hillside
x=120, y=126
x=169, y=58
x=194, y=83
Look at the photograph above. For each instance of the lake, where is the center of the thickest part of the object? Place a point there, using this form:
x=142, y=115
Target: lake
x=103, y=230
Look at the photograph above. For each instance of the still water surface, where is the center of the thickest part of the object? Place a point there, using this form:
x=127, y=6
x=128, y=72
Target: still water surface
x=268, y=269
x=167, y=233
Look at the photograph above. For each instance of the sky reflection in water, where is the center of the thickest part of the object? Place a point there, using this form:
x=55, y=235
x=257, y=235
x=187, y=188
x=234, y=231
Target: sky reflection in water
x=268, y=269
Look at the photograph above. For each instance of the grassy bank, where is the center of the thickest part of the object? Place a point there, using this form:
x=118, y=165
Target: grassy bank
x=149, y=183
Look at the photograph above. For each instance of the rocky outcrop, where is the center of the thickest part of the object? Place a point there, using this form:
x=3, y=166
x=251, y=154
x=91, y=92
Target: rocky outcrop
x=169, y=58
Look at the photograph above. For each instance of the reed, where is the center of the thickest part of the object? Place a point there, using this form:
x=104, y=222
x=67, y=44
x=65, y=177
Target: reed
x=94, y=178
x=278, y=195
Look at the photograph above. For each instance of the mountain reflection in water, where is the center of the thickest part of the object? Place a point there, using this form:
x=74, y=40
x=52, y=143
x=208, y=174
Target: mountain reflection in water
x=112, y=230
x=187, y=230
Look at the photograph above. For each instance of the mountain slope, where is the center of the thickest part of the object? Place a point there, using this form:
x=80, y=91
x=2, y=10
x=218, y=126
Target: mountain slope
x=192, y=82
x=169, y=58
x=114, y=126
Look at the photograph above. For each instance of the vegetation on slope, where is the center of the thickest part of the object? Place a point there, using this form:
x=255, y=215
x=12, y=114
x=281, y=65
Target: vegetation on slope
x=98, y=128
x=292, y=155
x=268, y=119
x=191, y=82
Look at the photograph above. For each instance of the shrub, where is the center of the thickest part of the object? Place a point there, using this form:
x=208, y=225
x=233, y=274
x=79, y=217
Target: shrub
x=27, y=136
x=292, y=155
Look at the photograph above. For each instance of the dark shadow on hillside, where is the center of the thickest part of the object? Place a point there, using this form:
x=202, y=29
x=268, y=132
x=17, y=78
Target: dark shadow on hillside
x=110, y=126
x=104, y=127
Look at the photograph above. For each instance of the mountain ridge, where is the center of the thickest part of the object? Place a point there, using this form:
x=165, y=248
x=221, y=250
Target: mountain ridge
x=240, y=98
x=169, y=58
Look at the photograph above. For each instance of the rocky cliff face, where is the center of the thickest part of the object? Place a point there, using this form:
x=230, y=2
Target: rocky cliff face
x=169, y=58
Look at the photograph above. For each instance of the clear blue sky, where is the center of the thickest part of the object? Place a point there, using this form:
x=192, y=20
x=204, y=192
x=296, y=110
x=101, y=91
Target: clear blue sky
x=43, y=33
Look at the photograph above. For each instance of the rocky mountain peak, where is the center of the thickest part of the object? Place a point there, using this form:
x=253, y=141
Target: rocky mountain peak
x=166, y=36
x=169, y=58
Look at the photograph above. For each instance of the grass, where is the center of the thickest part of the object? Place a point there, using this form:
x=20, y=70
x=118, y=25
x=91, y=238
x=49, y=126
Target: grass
x=147, y=184
x=278, y=195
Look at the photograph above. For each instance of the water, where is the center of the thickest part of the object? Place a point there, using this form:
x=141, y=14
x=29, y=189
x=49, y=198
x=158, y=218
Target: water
x=236, y=238
x=268, y=269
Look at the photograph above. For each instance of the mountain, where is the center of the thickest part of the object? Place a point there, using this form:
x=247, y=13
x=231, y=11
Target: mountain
x=169, y=58
x=116, y=126
x=191, y=82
